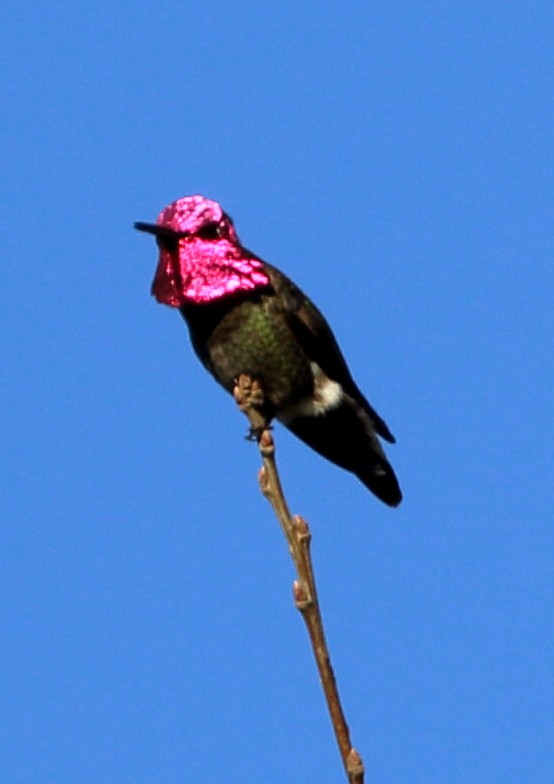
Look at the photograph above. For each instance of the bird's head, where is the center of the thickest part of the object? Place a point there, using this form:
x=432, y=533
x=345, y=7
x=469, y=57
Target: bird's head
x=201, y=258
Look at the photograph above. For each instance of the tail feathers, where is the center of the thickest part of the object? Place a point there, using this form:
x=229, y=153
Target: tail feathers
x=345, y=436
x=382, y=481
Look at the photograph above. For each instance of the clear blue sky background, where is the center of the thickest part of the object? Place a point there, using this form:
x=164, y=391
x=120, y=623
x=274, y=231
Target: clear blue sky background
x=396, y=159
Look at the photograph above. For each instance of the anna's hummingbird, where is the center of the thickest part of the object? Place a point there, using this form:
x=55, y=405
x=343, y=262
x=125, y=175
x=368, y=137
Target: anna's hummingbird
x=246, y=317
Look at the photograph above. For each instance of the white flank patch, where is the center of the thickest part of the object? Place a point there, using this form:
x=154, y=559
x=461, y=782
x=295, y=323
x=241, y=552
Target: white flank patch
x=328, y=394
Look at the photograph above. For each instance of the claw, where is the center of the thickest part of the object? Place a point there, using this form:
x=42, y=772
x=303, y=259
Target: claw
x=255, y=433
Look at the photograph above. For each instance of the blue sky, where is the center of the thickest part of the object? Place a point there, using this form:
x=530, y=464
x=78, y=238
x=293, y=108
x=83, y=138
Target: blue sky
x=396, y=160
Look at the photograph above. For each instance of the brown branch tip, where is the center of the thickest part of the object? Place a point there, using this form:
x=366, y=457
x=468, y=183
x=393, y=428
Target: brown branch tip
x=248, y=394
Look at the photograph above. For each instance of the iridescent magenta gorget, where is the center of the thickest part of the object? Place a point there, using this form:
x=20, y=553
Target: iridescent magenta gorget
x=206, y=261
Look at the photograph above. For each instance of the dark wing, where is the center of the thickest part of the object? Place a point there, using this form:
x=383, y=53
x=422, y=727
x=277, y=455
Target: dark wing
x=345, y=435
x=315, y=337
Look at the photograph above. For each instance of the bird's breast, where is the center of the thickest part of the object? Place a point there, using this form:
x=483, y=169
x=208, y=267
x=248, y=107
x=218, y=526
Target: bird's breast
x=252, y=337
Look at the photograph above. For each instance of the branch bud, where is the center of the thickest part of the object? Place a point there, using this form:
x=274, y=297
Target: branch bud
x=300, y=524
x=354, y=766
x=301, y=597
x=267, y=446
x=263, y=480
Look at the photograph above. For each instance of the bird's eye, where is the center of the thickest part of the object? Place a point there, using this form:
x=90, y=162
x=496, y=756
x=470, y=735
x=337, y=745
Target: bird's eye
x=211, y=231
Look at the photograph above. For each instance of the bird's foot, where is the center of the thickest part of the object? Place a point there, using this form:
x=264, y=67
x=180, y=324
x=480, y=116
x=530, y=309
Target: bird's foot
x=255, y=433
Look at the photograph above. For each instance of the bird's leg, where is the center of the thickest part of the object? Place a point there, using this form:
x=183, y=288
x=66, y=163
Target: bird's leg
x=249, y=396
x=255, y=433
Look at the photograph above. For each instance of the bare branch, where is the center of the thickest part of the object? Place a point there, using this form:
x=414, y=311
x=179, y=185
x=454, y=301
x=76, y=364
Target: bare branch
x=249, y=397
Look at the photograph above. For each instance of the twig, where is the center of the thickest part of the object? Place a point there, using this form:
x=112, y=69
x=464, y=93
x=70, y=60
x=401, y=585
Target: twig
x=249, y=397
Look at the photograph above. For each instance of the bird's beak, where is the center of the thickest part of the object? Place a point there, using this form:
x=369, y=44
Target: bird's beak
x=159, y=231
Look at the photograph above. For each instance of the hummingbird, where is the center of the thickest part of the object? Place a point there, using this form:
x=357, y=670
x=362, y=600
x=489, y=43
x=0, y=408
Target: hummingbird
x=246, y=317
